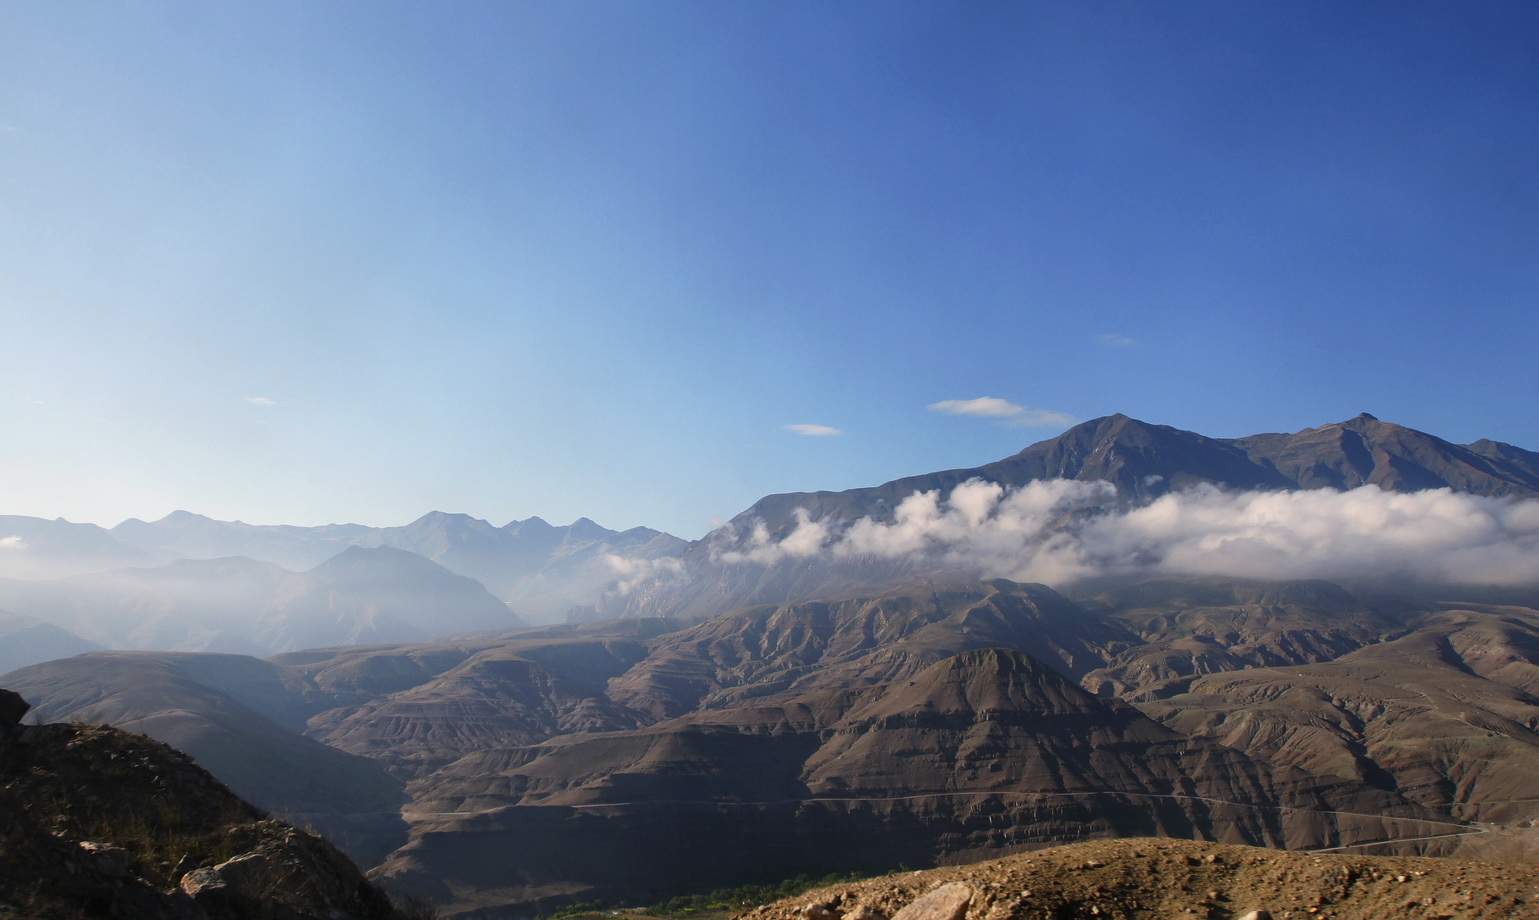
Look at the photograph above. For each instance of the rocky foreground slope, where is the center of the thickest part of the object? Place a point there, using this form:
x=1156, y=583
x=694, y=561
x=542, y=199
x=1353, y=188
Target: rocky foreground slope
x=97, y=822
x=1147, y=879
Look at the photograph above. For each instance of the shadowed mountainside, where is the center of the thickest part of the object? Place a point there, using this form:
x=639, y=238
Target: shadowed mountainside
x=241, y=718
x=98, y=822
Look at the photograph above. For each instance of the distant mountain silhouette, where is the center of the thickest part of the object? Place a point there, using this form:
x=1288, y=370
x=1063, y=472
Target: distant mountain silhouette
x=541, y=570
x=240, y=605
x=37, y=548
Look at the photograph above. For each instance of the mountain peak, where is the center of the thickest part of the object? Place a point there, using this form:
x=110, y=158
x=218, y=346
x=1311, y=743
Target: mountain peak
x=182, y=517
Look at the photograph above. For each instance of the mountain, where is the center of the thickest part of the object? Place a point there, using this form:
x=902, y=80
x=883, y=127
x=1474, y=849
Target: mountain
x=979, y=753
x=1137, y=462
x=1446, y=713
x=1144, y=461
x=36, y=548
x=239, y=717
x=102, y=823
x=770, y=707
x=243, y=606
x=184, y=535
x=27, y=640
x=929, y=722
x=540, y=570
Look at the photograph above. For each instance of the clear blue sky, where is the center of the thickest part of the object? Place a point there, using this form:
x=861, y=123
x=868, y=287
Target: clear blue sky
x=355, y=261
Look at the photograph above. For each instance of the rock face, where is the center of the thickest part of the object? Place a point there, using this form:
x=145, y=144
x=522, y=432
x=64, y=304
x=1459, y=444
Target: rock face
x=97, y=822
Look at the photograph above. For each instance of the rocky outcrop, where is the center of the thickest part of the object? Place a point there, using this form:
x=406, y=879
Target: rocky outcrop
x=1143, y=879
x=99, y=822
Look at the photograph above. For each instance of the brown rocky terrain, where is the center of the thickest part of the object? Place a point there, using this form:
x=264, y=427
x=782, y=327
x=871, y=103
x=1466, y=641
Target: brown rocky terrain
x=1445, y=714
x=1144, y=879
x=926, y=723
x=987, y=750
x=97, y=822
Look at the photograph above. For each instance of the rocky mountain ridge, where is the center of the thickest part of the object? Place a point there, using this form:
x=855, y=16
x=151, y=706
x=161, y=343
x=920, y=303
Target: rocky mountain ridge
x=100, y=822
x=1145, y=461
x=540, y=570
x=1133, y=462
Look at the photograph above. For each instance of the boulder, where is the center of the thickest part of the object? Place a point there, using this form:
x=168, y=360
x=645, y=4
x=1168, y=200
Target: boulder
x=948, y=902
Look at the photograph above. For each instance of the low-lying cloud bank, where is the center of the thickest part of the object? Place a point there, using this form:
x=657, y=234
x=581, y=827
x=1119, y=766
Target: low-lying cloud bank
x=1061, y=531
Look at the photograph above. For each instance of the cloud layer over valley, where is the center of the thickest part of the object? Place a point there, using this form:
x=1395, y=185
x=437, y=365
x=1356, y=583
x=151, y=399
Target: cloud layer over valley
x=1061, y=531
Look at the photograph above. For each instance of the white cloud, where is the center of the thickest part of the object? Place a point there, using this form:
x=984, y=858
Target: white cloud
x=633, y=572
x=808, y=538
x=12, y=543
x=1112, y=340
x=816, y=431
x=983, y=406
x=260, y=401
x=1009, y=412
x=1061, y=531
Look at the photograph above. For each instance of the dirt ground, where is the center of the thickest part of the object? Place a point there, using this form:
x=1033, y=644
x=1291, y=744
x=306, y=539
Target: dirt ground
x=1145, y=879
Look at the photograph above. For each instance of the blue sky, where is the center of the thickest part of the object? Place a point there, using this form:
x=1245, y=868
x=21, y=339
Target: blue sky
x=355, y=261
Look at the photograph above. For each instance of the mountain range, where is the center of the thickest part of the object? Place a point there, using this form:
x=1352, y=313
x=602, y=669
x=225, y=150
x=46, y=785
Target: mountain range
x=1134, y=464
x=790, y=695
x=1146, y=461
x=190, y=583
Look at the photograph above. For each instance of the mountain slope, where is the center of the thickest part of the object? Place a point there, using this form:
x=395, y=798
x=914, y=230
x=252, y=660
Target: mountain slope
x=97, y=822
x=984, y=751
x=27, y=640
x=1446, y=714
x=240, y=718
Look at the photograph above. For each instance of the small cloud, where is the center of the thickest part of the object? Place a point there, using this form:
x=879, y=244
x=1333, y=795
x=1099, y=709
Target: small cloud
x=983, y=406
x=1004, y=410
x=12, y=543
x=260, y=401
x=1112, y=340
x=813, y=431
